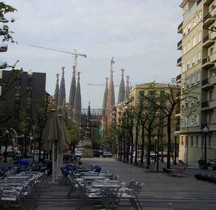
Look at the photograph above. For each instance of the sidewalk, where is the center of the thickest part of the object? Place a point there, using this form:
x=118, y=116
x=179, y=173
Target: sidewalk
x=160, y=191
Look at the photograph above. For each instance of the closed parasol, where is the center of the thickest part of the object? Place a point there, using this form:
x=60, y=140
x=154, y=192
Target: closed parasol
x=55, y=138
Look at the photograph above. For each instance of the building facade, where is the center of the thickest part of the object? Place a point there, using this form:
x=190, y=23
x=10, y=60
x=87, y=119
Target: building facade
x=198, y=80
x=21, y=91
x=145, y=120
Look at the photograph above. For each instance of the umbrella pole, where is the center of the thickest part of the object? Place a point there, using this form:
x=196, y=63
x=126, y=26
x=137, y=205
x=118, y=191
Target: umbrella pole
x=53, y=162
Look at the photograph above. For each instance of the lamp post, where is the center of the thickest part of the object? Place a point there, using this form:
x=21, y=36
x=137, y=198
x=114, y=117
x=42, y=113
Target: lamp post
x=15, y=135
x=156, y=151
x=22, y=150
x=175, y=154
x=6, y=145
x=205, y=131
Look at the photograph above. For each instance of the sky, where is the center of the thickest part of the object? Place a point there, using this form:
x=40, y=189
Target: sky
x=141, y=35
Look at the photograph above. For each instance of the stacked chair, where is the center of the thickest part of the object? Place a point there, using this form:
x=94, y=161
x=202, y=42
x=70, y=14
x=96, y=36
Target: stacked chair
x=20, y=188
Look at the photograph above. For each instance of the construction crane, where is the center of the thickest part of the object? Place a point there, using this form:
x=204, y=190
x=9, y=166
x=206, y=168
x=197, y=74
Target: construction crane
x=75, y=53
x=101, y=85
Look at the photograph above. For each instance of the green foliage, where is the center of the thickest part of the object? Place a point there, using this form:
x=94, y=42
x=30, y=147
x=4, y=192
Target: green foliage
x=4, y=31
x=73, y=131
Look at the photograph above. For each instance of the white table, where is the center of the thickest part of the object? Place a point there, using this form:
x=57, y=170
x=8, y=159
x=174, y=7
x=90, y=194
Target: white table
x=107, y=185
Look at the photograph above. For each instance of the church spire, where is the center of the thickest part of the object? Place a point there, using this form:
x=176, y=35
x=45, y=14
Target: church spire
x=62, y=91
x=77, y=102
x=111, y=92
x=72, y=92
x=104, y=106
x=127, y=90
x=56, y=94
x=121, y=94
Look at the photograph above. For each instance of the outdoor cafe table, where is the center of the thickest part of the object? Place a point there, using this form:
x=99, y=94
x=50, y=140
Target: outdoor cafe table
x=90, y=179
x=106, y=185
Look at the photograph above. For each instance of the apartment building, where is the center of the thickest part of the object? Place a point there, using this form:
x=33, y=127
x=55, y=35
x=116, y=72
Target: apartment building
x=198, y=80
x=21, y=91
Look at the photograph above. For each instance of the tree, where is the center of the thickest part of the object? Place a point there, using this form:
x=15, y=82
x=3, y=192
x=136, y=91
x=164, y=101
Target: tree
x=5, y=30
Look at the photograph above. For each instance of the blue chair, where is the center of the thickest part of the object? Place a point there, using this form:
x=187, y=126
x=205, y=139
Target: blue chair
x=97, y=169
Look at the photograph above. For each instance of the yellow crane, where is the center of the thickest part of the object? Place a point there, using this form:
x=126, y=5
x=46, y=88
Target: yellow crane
x=75, y=53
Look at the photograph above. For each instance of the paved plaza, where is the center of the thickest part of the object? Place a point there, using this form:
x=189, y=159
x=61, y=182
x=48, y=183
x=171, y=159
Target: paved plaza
x=160, y=191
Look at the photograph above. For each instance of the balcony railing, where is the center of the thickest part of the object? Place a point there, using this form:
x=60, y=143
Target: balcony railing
x=205, y=60
x=3, y=47
x=205, y=104
x=178, y=77
x=208, y=1
x=3, y=64
x=199, y=1
x=208, y=20
x=179, y=61
x=180, y=27
x=205, y=82
x=179, y=44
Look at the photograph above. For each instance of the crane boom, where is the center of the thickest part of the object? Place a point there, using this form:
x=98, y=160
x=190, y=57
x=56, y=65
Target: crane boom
x=47, y=48
x=101, y=85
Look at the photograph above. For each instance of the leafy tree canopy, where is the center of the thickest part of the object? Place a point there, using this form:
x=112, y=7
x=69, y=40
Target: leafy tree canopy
x=4, y=31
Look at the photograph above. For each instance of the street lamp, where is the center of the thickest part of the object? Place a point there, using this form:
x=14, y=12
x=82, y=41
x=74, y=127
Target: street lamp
x=205, y=131
x=15, y=135
x=6, y=145
x=175, y=149
x=156, y=151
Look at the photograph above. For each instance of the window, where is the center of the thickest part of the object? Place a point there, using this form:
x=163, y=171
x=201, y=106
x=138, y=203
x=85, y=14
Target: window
x=194, y=21
x=188, y=64
x=193, y=60
x=186, y=140
x=209, y=141
x=194, y=41
x=152, y=92
x=192, y=143
x=211, y=51
x=141, y=93
x=200, y=16
x=202, y=142
x=197, y=141
x=189, y=45
x=199, y=37
x=193, y=79
x=189, y=26
x=184, y=49
x=198, y=76
x=182, y=140
x=199, y=56
x=17, y=92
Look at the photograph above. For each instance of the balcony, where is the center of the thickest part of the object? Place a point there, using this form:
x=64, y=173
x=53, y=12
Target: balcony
x=179, y=45
x=205, y=104
x=213, y=58
x=180, y=27
x=207, y=2
x=212, y=104
x=198, y=2
x=205, y=82
x=3, y=32
x=208, y=20
x=179, y=61
x=3, y=47
x=208, y=41
x=178, y=78
x=3, y=64
x=206, y=62
x=212, y=80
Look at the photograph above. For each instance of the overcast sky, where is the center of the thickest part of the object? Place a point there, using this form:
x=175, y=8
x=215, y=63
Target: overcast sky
x=141, y=35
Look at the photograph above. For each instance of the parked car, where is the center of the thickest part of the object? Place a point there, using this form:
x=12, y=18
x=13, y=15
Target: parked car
x=78, y=153
x=96, y=153
x=107, y=154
